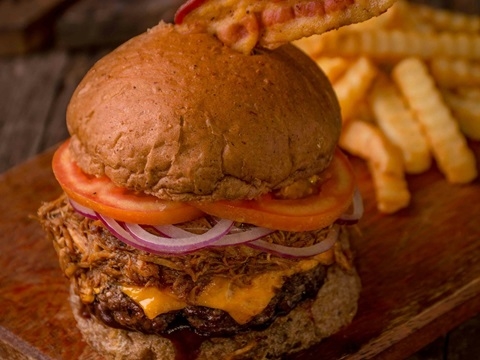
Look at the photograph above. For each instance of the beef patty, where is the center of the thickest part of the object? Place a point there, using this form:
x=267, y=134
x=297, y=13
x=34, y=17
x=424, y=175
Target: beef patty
x=117, y=310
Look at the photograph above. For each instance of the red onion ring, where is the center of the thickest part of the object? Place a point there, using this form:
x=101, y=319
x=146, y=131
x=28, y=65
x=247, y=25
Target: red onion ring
x=182, y=244
x=176, y=240
x=243, y=237
x=307, y=251
x=121, y=234
x=172, y=231
x=240, y=237
x=83, y=210
x=357, y=209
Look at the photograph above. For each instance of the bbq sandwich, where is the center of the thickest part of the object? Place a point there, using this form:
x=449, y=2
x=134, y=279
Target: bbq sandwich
x=204, y=197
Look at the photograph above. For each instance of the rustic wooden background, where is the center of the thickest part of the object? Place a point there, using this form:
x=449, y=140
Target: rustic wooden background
x=46, y=46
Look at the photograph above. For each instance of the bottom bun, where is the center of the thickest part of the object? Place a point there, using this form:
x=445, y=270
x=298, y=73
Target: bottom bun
x=311, y=321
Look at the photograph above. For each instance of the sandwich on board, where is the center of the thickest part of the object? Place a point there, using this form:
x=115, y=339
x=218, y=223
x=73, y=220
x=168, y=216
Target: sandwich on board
x=204, y=198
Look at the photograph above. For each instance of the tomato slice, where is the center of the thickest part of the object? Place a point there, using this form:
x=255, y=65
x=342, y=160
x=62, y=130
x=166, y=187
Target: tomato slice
x=103, y=196
x=309, y=213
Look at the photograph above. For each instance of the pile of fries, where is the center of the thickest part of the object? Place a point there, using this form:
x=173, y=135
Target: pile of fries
x=408, y=83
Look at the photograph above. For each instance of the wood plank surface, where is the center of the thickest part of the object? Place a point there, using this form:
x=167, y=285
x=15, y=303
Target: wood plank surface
x=34, y=78
x=92, y=23
x=35, y=91
x=27, y=25
x=420, y=270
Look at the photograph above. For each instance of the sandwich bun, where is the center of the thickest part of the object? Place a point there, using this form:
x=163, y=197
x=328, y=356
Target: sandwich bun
x=181, y=116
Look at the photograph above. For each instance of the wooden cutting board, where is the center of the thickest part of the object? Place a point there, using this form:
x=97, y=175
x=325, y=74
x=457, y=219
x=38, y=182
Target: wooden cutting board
x=420, y=270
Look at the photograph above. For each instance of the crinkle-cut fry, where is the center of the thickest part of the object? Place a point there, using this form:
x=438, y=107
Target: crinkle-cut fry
x=399, y=126
x=363, y=112
x=333, y=67
x=455, y=72
x=396, y=44
x=391, y=191
x=396, y=16
x=384, y=160
x=352, y=87
x=446, y=20
x=467, y=112
x=454, y=158
x=366, y=141
x=469, y=92
x=311, y=45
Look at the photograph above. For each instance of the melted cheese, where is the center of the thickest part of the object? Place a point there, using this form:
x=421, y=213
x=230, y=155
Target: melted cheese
x=242, y=303
x=152, y=300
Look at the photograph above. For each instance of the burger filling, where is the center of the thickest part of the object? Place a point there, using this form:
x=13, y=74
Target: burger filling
x=213, y=291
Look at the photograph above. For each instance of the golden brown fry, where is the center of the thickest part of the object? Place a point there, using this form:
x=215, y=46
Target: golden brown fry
x=366, y=141
x=396, y=16
x=311, y=45
x=448, y=144
x=450, y=44
x=469, y=92
x=399, y=125
x=333, y=67
x=445, y=20
x=455, y=72
x=391, y=191
x=391, y=45
x=352, y=87
x=467, y=112
x=363, y=111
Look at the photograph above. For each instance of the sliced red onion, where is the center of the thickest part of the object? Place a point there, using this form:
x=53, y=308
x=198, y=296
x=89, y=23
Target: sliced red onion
x=121, y=234
x=240, y=237
x=357, y=211
x=83, y=210
x=307, y=251
x=243, y=237
x=174, y=240
x=160, y=244
x=172, y=231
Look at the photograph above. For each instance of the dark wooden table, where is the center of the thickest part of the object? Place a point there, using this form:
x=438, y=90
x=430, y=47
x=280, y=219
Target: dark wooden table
x=38, y=76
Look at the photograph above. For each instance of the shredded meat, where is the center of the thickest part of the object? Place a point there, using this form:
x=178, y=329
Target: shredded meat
x=98, y=264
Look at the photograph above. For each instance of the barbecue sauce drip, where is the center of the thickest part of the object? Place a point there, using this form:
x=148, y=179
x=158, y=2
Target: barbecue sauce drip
x=186, y=343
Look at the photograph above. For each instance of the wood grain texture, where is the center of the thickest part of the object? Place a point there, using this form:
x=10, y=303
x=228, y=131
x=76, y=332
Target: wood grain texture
x=92, y=23
x=28, y=25
x=28, y=86
x=35, y=91
x=420, y=270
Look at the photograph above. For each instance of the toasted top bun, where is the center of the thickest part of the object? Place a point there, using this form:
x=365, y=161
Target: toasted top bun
x=179, y=115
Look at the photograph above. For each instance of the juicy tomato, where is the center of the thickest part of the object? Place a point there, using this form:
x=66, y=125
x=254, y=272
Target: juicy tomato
x=313, y=212
x=103, y=196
